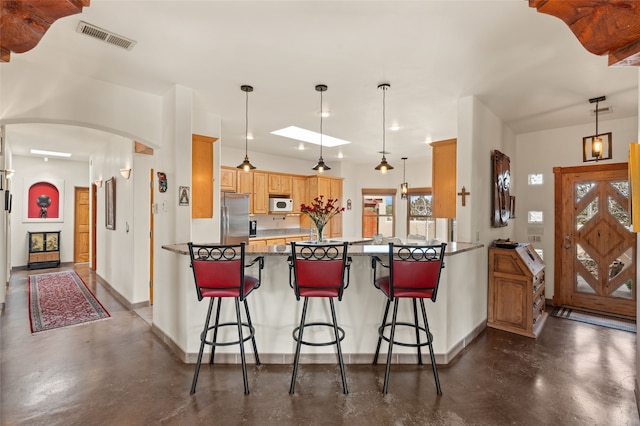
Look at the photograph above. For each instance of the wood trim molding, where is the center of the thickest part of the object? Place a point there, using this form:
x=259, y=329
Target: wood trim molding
x=23, y=23
x=602, y=27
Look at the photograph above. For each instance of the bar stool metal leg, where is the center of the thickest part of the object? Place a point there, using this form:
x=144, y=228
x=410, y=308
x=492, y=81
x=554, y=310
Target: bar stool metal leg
x=335, y=330
x=253, y=337
x=415, y=316
x=298, y=345
x=433, y=357
x=241, y=339
x=203, y=338
x=380, y=331
x=215, y=331
x=391, y=337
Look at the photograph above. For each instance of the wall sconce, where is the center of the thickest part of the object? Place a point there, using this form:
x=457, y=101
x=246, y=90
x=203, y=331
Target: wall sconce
x=598, y=146
x=126, y=173
x=6, y=174
x=98, y=183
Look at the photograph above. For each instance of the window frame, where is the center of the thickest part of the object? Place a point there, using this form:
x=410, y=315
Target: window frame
x=391, y=192
x=418, y=191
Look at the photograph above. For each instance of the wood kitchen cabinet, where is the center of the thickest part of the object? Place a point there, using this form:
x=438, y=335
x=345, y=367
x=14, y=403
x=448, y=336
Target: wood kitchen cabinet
x=280, y=184
x=330, y=188
x=260, y=193
x=245, y=186
x=516, y=290
x=228, y=179
x=202, y=176
x=443, y=178
x=298, y=192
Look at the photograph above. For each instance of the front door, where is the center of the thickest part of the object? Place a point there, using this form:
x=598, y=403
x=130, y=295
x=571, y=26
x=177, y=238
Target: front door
x=595, y=251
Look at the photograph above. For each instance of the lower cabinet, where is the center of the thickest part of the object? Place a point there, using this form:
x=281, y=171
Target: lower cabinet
x=44, y=250
x=516, y=290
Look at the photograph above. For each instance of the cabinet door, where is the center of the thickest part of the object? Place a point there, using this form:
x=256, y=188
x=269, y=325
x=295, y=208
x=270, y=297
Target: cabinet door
x=298, y=192
x=245, y=186
x=286, y=183
x=276, y=242
x=260, y=194
x=443, y=180
x=336, y=194
x=227, y=179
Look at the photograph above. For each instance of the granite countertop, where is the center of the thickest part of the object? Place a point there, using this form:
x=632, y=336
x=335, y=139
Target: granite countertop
x=354, y=250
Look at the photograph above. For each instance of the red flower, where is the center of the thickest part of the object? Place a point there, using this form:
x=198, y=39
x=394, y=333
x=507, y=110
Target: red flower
x=319, y=212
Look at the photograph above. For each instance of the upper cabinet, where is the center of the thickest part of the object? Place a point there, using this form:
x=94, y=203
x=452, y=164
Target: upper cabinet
x=298, y=192
x=443, y=180
x=228, y=179
x=202, y=176
x=328, y=187
x=280, y=184
x=260, y=198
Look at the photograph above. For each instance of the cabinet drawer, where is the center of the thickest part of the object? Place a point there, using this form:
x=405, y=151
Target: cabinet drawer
x=44, y=257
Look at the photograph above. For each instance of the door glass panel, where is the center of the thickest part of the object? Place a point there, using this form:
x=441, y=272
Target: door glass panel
x=619, y=212
x=587, y=213
x=587, y=261
x=625, y=291
x=582, y=286
x=582, y=189
x=622, y=187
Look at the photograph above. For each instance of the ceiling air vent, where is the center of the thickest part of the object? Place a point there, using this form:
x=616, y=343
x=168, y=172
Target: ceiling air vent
x=106, y=36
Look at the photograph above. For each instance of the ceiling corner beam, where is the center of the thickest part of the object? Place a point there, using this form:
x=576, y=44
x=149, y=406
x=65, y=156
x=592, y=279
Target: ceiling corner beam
x=603, y=27
x=24, y=22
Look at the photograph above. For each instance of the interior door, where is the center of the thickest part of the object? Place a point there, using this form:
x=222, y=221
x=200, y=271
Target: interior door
x=594, y=250
x=81, y=226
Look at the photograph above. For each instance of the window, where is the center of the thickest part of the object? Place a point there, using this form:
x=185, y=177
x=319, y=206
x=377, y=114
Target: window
x=420, y=224
x=378, y=212
x=535, y=216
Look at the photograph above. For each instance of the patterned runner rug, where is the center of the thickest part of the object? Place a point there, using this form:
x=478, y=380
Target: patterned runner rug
x=594, y=318
x=61, y=299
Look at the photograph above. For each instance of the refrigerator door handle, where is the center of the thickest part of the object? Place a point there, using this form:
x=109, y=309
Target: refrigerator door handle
x=225, y=224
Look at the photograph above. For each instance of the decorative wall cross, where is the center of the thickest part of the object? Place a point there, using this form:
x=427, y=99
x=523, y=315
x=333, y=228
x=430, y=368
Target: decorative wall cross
x=464, y=194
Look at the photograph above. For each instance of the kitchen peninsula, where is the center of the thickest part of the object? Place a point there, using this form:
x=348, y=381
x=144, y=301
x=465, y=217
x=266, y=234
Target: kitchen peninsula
x=456, y=318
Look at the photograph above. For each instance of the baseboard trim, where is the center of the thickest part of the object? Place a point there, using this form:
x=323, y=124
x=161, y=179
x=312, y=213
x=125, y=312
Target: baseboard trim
x=328, y=358
x=119, y=297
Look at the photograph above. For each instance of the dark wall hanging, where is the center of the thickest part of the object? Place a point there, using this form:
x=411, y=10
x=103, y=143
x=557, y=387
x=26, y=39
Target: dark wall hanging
x=501, y=183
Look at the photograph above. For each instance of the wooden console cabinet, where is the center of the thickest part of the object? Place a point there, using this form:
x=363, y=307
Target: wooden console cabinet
x=44, y=250
x=516, y=290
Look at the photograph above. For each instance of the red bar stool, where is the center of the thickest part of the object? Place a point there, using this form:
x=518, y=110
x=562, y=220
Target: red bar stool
x=414, y=273
x=218, y=272
x=318, y=271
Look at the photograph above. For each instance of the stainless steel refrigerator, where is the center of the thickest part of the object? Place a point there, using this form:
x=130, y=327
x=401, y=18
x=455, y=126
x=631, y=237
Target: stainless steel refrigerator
x=234, y=218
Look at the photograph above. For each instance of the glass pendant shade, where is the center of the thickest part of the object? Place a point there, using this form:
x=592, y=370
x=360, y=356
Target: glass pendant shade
x=404, y=186
x=246, y=164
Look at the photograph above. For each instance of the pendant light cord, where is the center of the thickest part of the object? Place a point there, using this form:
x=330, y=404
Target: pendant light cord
x=384, y=120
x=246, y=125
x=321, y=114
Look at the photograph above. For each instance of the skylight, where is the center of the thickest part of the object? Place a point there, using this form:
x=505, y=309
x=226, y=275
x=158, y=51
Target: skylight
x=304, y=135
x=50, y=153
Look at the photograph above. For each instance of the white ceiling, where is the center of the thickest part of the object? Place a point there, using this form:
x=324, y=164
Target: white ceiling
x=525, y=66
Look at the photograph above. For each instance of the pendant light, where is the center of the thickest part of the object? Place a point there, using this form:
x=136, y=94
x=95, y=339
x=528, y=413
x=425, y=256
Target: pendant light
x=320, y=167
x=246, y=164
x=404, y=186
x=596, y=141
x=384, y=166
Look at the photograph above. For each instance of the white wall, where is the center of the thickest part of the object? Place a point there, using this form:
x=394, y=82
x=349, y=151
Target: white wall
x=540, y=152
x=74, y=174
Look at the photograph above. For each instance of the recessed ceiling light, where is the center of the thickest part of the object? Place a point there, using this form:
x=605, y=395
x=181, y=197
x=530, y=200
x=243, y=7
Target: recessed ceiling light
x=304, y=135
x=249, y=136
x=340, y=155
x=394, y=128
x=325, y=113
x=50, y=153
x=301, y=146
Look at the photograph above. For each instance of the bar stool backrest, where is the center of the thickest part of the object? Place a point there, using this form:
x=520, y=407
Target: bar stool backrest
x=319, y=269
x=218, y=270
x=414, y=271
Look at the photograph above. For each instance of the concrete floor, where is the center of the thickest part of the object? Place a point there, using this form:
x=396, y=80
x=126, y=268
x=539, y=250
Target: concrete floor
x=116, y=372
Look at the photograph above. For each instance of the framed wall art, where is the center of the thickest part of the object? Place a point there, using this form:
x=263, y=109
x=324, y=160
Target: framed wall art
x=110, y=203
x=183, y=199
x=43, y=200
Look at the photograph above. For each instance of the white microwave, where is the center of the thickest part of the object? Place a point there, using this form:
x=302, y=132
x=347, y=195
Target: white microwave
x=280, y=205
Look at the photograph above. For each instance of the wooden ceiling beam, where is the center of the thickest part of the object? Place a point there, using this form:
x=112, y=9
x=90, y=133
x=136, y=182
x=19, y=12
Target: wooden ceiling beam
x=603, y=27
x=24, y=22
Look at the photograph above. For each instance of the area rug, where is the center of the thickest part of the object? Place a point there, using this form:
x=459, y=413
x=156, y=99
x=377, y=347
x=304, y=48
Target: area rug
x=61, y=299
x=594, y=318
